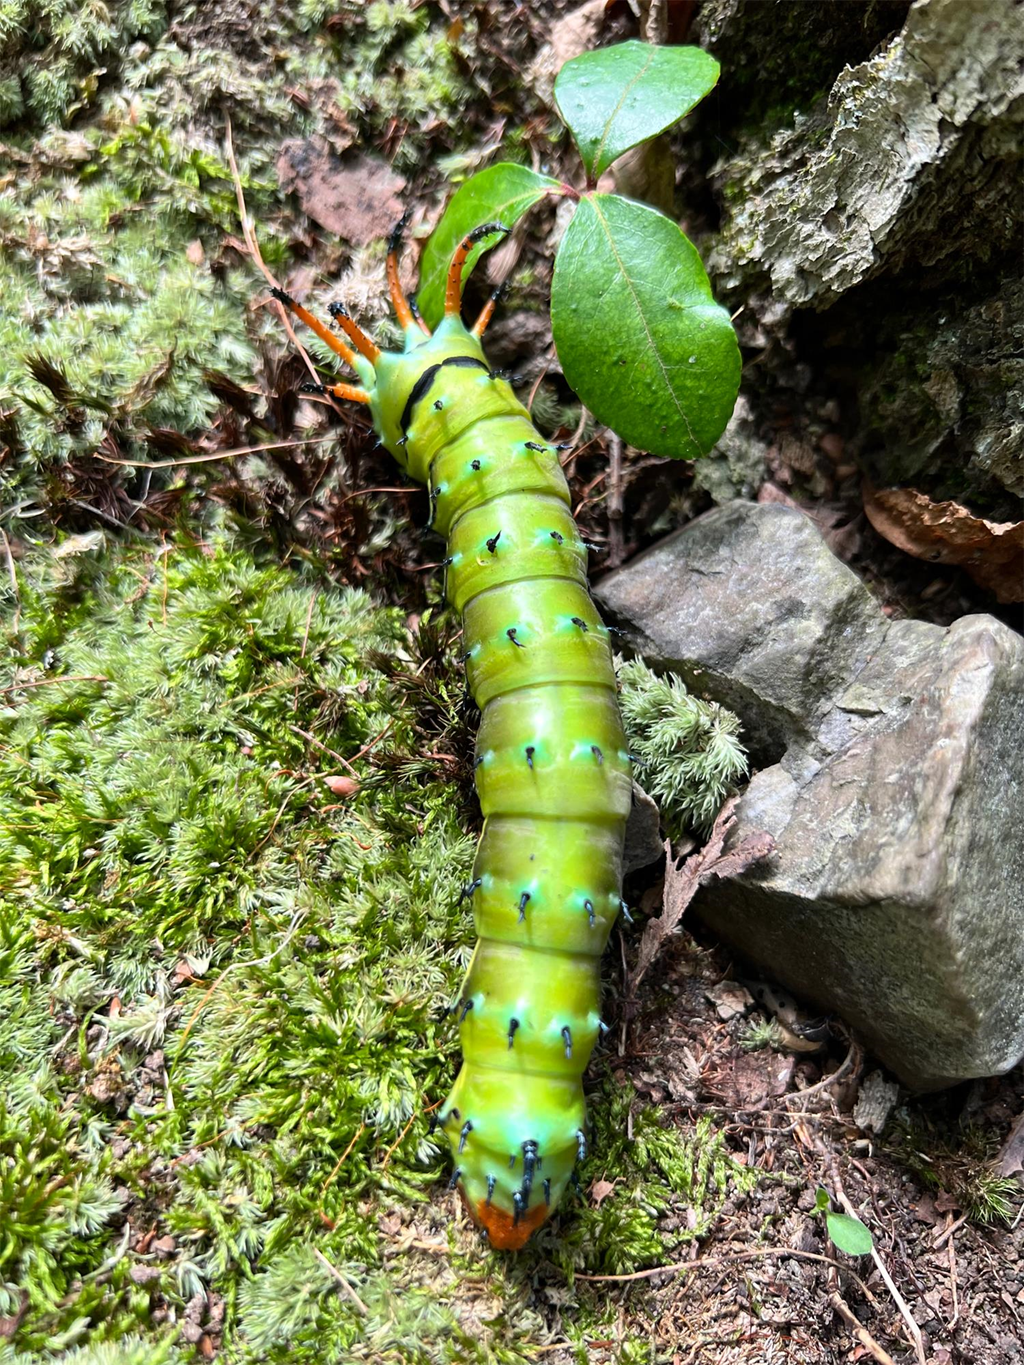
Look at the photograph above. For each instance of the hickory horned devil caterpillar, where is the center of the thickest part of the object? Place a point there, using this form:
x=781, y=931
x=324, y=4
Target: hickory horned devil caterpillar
x=552, y=770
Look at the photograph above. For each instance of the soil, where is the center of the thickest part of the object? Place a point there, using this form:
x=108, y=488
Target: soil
x=745, y=1299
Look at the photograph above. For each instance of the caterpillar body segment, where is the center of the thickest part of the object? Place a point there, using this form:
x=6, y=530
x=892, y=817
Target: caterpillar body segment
x=552, y=770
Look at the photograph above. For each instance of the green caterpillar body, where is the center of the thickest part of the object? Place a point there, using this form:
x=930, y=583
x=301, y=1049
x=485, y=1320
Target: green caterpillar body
x=553, y=775
x=552, y=771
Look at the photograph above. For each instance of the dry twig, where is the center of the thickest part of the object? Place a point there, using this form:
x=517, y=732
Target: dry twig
x=858, y=1330
x=912, y=1328
x=616, y=545
x=215, y=455
x=336, y=1273
x=14, y=581
x=682, y=880
x=836, y=1075
x=249, y=233
x=711, y=1262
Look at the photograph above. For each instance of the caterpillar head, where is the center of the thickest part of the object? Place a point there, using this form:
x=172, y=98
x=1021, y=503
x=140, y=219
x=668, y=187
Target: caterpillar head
x=437, y=379
x=426, y=395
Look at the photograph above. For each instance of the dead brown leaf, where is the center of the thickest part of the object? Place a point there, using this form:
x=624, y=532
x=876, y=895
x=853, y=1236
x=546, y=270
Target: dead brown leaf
x=992, y=552
x=729, y=999
x=600, y=1190
x=750, y=1080
x=683, y=877
x=143, y=390
x=359, y=200
x=9, y=1325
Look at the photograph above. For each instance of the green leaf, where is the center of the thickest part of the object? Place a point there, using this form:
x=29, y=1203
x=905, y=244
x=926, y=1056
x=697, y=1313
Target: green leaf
x=822, y=1200
x=501, y=194
x=615, y=97
x=849, y=1234
x=638, y=334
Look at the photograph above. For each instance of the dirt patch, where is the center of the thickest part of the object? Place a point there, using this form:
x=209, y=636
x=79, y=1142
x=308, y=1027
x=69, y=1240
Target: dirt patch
x=756, y=1293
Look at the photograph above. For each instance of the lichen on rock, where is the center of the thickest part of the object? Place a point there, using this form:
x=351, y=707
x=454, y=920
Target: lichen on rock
x=910, y=158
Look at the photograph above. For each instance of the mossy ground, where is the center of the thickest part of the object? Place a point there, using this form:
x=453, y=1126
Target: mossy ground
x=220, y=974
x=220, y=980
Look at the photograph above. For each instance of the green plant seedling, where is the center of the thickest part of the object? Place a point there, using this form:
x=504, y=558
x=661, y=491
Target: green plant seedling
x=638, y=333
x=847, y=1233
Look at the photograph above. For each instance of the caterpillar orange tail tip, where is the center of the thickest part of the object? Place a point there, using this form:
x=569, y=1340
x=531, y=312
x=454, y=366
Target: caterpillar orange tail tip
x=503, y=1232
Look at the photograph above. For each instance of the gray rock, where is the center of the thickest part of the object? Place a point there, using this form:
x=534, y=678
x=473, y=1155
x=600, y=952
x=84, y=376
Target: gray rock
x=893, y=785
x=875, y=1103
x=924, y=131
x=644, y=843
x=943, y=403
x=869, y=241
x=736, y=466
x=755, y=611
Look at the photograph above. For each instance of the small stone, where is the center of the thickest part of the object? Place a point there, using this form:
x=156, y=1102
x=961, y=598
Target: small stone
x=644, y=843
x=730, y=999
x=875, y=1103
x=144, y=1274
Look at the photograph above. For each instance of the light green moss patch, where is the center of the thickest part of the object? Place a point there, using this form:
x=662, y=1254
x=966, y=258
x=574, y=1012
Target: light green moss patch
x=220, y=980
x=112, y=312
x=688, y=750
x=169, y=843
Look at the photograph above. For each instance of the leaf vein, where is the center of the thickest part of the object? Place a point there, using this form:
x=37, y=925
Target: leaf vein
x=611, y=117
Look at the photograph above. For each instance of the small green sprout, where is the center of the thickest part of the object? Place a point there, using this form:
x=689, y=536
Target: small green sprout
x=847, y=1233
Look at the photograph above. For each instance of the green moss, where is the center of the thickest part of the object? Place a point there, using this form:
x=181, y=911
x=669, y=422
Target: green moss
x=169, y=840
x=404, y=71
x=118, y=289
x=761, y=1033
x=219, y=981
x=129, y=1350
x=957, y=1161
x=55, y=51
x=688, y=754
x=109, y=318
x=661, y=1169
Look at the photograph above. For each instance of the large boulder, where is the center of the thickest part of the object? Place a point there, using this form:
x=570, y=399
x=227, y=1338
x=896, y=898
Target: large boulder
x=870, y=226
x=905, y=163
x=891, y=782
